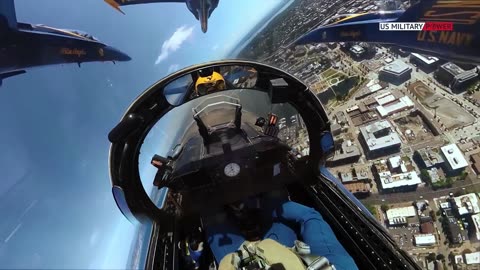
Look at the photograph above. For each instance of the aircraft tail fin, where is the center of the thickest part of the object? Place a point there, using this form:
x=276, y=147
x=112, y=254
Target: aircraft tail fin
x=432, y=10
x=8, y=74
x=8, y=17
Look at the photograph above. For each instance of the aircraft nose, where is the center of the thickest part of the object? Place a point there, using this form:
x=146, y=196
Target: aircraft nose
x=204, y=25
x=114, y=54
x=203, y=15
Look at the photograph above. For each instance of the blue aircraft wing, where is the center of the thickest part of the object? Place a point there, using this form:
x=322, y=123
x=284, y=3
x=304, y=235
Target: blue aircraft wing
x=462, y=44
x=8, y=74
x=117, y=3
x=8, y=18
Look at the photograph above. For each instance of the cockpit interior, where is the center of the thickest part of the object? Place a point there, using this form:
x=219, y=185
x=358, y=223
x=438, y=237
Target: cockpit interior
x=239, y=164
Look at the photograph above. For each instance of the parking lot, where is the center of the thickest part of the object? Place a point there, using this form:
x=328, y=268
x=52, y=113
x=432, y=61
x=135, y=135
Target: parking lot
x=404, y=236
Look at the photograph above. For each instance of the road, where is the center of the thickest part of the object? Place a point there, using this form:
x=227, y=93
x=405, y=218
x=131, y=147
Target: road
x=421, y=193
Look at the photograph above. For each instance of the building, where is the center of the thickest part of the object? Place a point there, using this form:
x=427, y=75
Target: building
x=357, y=51
x=454, y=233
x=358, y=188
x=380, y=139
x=361, y=115
x=346, y=177
x=475, y=162
x=422, y=206
x=361, y=174
x=467, y=204
x=427, y=227
x=384, y=98
x=341, y=118
x=424, y=62
x=396, y=72
x=425, y=239
x=476, y=226
x=336, y=129
x=445, y=205
x=372, y=86
x=404, y=103
x=459, y=259
x=396, y=164
x=428, y=158
x=472, y=258
x=455, y=162
x=345, y=153
x=355, y=181
x=399, y=182
x=455, y=77
x=400, y=216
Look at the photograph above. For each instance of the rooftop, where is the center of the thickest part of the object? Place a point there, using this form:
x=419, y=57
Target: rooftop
x=385, y=98
x=467, y=204
x=335, y=127
x=476, y=223
x=466, y=75
x=452, y=68
x=454, y=233
x=399, y=180
x=374, y=88
x=358, y=187
x=357, y=49
x=472, y=258
x=351, y=109
x=445, y=205
x=379, y=135
x=399, y=215
x=363, y=118
x=424, y=239
x=397, y=67
x=361, y=174
x=348, y=149
x=475, y=158
x=430, y=157
x=424, y=58
x=341, y=117
x=404, y=103
x=427, y=227
x=454, y=156
x=346, y=177
x=395, y=161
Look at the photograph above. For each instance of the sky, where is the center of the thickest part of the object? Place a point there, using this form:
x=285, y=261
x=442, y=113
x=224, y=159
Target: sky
x=56, y=206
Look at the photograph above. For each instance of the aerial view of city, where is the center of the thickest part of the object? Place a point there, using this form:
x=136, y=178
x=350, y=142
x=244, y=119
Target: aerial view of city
x=406, y=130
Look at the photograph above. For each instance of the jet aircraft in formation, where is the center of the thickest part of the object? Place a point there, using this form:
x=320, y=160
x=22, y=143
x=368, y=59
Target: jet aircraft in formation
x=24, y=45
x=460, y=44
x=201, y=9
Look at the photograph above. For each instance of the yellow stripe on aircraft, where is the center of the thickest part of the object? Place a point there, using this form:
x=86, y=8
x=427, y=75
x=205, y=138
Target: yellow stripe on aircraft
x=348, y=18
x=66, y=32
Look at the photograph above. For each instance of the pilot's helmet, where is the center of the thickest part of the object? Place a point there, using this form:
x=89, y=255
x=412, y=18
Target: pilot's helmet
x=208, y=84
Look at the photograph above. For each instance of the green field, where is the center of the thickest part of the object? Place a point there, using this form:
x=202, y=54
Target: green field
x=328, y=73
